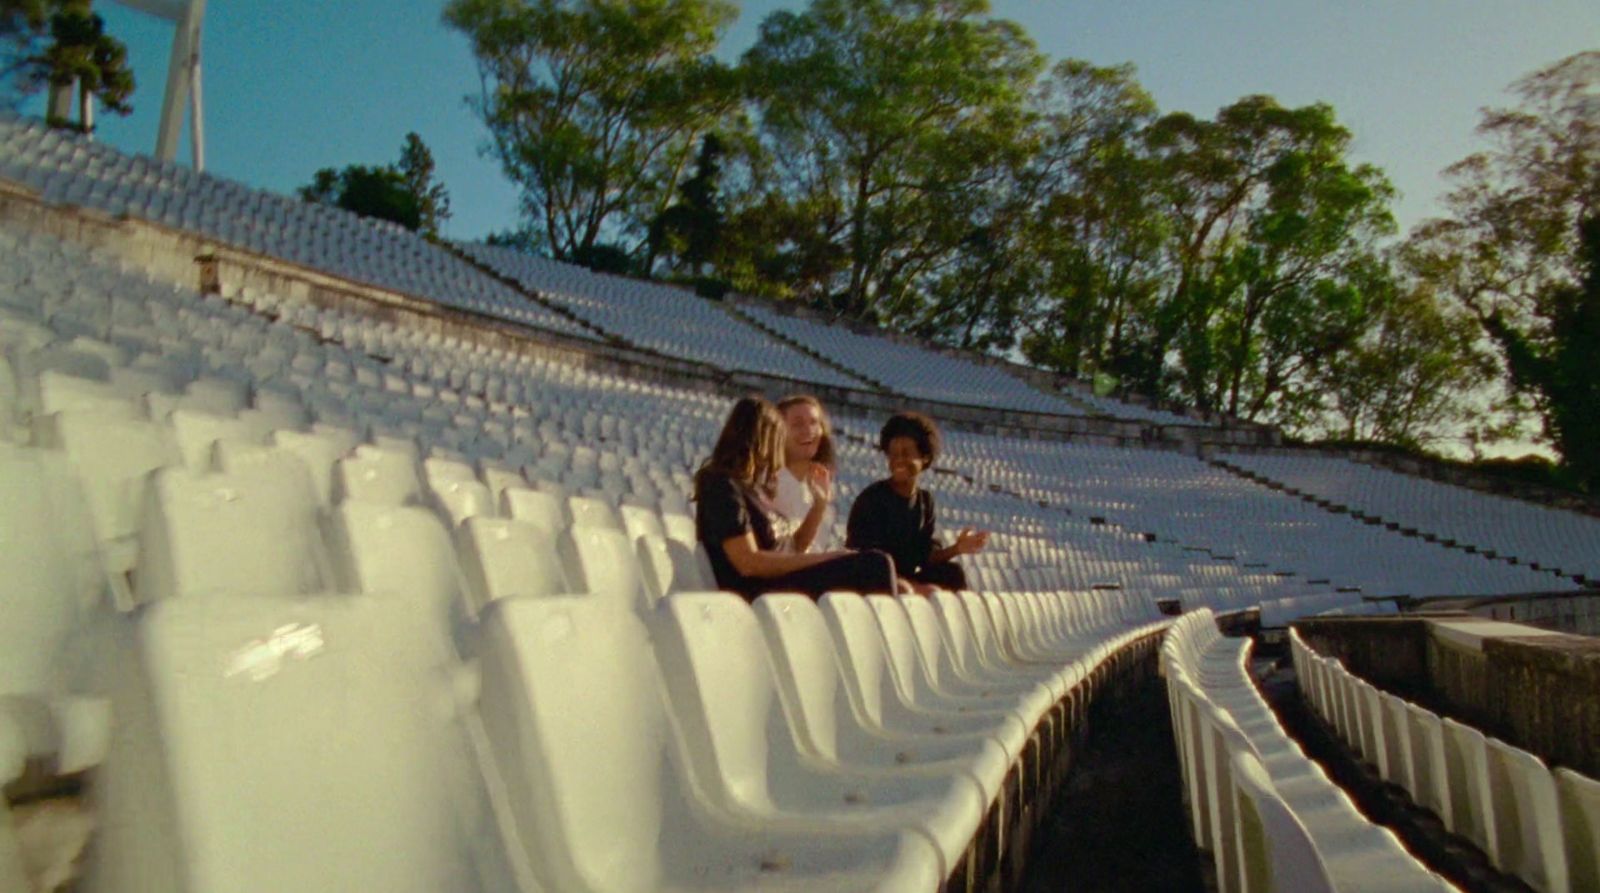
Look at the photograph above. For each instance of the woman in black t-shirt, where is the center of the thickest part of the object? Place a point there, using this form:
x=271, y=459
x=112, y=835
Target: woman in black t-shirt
x=896, y=515
x=733, y=493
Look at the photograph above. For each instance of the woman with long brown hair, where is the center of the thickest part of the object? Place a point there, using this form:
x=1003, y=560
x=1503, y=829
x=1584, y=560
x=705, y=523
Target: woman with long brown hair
x=733, y=500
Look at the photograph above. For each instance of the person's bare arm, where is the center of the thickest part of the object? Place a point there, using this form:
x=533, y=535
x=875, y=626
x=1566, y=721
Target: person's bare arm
x=821, y=487
x=752, y=561
x=967, y=542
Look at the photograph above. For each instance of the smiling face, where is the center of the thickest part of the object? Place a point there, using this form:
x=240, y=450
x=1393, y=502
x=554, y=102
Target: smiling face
x=806, y=429
x=906, y=463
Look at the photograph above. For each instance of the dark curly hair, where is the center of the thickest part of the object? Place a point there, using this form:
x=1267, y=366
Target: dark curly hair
x=916, y=426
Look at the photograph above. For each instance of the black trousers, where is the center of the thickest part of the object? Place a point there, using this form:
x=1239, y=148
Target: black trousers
x=870, y=571
x=945, y=575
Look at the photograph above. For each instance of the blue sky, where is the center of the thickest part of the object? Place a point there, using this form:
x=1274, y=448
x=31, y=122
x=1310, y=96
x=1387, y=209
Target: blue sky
x=295, y=85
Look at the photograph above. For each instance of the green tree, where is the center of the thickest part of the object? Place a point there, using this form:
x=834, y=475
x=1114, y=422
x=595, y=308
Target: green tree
x=62, y=44
x=1559, y=365
x=416, y=170
x=1412, y=379
x=594, y=107
x=1099, y=232
x=1509, y=248
x=1274, y=233
x=883, y=120
x=403, y=193
x=23, y=26
x=377, y=192
x=691, y=232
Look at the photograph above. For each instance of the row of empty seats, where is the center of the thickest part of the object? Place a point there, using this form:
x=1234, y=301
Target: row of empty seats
x=1175, y=498
x=1543, y=536
x=1270, y=816
x=70, y=169
x=931, y=375
x=1541, y=825
x=657, y=317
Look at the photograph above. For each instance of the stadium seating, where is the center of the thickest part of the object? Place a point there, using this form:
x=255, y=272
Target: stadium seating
x=428, y=609
x=1529, y=821
x=663, y=319
x=1541, y=537
x=1283, y=819
x=72, y=170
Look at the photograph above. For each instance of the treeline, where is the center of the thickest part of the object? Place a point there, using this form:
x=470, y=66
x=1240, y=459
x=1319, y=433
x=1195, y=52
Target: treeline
x=917, y=164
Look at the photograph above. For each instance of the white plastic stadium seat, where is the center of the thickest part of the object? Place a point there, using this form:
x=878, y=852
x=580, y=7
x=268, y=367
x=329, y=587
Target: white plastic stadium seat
x=502, y=557
x=597, y=798
x=275, y=744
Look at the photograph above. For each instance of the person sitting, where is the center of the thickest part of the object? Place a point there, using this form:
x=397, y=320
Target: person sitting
x=733, y=492
x=804, y=498
x=897, y=516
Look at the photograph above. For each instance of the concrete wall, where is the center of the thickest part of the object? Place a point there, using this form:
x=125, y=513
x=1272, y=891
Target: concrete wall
x=1534, y=688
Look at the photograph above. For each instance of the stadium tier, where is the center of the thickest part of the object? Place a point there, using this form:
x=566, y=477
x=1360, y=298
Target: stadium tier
x=325, y=595
x=68, y=169
x=1537, y=536
x=911, y=370
x=657, y=317
x=1270, y=815
x=1532, y=822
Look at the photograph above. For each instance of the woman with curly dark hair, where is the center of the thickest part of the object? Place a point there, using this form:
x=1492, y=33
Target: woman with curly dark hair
x=897, y=516
x=733, y=493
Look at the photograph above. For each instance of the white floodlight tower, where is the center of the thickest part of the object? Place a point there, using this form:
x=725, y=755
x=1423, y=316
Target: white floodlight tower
x=183, y=77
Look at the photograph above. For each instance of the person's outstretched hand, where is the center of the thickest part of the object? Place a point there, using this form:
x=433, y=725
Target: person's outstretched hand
x=971, y=540
x=821, y=484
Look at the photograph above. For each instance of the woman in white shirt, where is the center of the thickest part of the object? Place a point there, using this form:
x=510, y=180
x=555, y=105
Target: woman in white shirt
x=804, y=500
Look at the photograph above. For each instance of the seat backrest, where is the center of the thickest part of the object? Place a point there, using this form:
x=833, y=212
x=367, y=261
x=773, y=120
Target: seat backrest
x=1276, y=853
x=862, y=654
x=962, y=646
x=390, y=550
x=456, y=500
x=691, y=569
x=655, y=566
x=808, y=671
x=603, y=563
x=112, y=458
x=985, y=639
x=1467, y=772
x=499, y=478
x=245, y=532
x=1528, y=815
x=591, y=511
x=678, y=527
x=1580, y=823
x=900, y=645
x=929, y=639
x=347, y=783
x=436, y=470
x=319, y=450
x=637, y=520
x=501, y=557
x=1429, y=765
x=376, y=474
x=535, y=506
x=51, y=578
x=722, y=691
x=571, y=707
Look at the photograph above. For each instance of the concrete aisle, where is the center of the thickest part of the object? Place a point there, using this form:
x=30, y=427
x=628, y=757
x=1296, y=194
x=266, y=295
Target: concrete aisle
x=1121, y=825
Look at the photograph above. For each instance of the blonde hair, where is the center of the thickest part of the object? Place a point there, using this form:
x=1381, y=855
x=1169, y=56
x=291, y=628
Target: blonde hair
x=750, y=447
x=825, y=452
